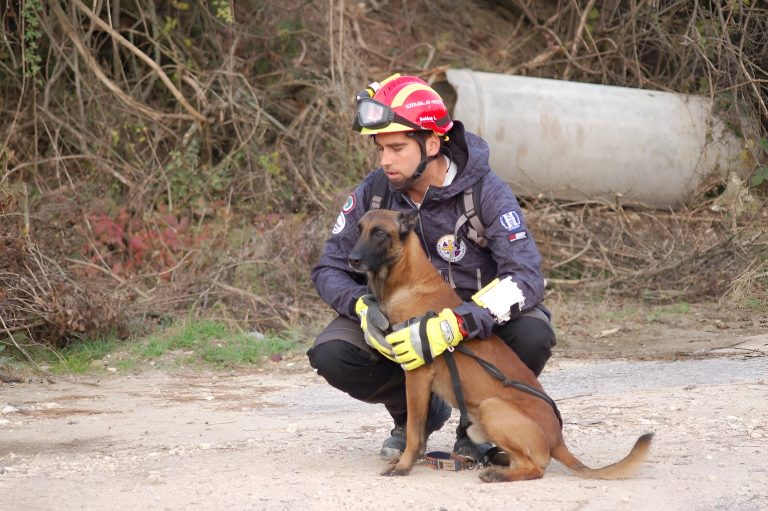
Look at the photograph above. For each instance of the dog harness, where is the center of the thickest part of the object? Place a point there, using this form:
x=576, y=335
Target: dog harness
x=440, y=460
x=496, y=373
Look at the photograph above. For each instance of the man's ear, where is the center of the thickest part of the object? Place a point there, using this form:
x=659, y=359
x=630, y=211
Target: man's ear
x=407, y=221
x=432, y=145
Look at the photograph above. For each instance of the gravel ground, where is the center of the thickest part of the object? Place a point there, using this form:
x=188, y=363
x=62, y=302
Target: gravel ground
x=280, y=438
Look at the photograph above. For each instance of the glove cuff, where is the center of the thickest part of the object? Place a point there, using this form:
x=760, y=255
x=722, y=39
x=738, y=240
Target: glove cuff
x=462, y=322
x=477, y=321
x=360, y=305
x=466, y=324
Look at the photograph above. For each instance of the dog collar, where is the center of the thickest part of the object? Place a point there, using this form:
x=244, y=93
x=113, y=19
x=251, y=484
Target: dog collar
x=439, y=460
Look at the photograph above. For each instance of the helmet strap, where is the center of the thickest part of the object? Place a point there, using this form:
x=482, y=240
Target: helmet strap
x=425, y=160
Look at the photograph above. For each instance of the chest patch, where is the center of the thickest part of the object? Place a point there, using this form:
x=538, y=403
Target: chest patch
x=449, y=250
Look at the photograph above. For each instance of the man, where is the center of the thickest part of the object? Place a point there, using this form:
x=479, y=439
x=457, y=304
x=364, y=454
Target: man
x=429, y=162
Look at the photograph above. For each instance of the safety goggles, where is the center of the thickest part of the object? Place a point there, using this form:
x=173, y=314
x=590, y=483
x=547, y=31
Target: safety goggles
x=374, y=115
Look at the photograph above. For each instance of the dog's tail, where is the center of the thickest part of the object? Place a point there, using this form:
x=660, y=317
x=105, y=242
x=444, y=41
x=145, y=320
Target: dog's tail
x=619, y=470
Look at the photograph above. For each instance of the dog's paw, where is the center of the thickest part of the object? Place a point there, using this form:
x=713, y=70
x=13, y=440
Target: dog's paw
x=396, y=469
x=388, y=471
x=492, y=475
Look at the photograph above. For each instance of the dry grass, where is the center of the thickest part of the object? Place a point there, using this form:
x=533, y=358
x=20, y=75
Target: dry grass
x=111, y=125
x=40, y=301
x=655, y=255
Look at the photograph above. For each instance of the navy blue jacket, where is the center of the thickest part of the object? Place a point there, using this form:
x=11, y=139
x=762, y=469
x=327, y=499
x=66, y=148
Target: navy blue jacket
x=511, y=249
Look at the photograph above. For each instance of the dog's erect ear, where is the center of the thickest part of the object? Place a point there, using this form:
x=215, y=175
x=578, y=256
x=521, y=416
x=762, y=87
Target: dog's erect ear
x=407, y=222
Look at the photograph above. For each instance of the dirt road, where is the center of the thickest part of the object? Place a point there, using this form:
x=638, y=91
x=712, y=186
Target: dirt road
x=279, y=438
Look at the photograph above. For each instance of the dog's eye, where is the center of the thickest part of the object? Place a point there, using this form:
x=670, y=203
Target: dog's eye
x=380, y=235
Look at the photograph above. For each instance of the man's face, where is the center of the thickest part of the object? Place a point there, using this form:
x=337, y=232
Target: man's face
x=399, y=155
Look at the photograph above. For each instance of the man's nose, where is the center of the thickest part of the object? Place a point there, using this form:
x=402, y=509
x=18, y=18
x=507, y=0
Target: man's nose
x=385, y=158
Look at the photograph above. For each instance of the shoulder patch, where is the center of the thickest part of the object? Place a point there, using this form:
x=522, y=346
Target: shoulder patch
x=349, y=205
x=341, y=222
x=510, y=220
x=520, y=235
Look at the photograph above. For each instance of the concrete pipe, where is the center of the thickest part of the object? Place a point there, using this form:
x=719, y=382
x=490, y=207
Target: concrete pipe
x=579, y=141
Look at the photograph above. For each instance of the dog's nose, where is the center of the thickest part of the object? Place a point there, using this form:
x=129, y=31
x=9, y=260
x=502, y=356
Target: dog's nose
x=355, y=259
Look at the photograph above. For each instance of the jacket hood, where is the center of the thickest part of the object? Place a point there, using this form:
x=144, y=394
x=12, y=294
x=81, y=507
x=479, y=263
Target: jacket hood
x=471, y=155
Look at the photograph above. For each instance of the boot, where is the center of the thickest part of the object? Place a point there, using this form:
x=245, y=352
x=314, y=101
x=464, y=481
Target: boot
x=464, y=446
x=439, y=412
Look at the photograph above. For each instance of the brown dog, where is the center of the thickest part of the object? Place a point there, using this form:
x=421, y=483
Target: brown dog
x=407, y=285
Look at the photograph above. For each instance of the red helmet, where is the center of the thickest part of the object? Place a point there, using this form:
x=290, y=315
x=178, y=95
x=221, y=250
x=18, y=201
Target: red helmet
x=401, y=103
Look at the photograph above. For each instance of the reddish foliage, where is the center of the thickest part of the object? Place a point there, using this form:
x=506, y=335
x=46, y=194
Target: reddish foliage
x=132, y=246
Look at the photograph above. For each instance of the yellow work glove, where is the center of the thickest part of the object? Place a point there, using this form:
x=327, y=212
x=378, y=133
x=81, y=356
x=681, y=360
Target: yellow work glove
x=374, y=324
x=425, y=338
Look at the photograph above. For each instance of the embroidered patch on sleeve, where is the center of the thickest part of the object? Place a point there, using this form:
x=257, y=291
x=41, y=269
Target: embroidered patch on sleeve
x=510, y=220
x=349, y=205
x=341, y=222
x=521, y=235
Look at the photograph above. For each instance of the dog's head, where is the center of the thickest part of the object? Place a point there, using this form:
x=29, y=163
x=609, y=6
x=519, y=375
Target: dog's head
x=380, y=242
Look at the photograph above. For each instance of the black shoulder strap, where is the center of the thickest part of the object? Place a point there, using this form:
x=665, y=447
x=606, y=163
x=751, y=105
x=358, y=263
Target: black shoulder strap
x=379, y=190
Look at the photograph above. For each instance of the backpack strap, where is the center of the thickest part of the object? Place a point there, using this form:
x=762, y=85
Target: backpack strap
x=476, y=228
x=379, y=190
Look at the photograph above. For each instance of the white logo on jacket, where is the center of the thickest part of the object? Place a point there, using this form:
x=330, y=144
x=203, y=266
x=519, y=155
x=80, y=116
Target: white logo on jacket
x=510, y=220
x=341, y=222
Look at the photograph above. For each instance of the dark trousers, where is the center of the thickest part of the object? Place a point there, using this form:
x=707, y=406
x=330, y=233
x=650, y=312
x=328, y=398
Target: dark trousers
x=341, y=356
